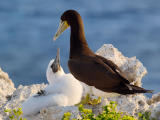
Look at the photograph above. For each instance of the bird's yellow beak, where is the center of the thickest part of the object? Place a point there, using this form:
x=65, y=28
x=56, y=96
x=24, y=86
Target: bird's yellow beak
x=62, y=27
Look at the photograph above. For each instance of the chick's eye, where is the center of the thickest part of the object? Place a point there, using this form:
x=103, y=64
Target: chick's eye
x=52, y=66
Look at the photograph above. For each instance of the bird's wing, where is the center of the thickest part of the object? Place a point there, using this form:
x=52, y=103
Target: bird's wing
x=114, y=67
x=94, y=72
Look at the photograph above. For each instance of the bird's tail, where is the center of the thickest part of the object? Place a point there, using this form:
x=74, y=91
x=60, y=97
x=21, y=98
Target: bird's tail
x=140, y=89
x=132, y=89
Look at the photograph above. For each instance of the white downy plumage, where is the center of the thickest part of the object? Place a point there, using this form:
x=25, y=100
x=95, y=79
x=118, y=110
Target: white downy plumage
x=63, y=90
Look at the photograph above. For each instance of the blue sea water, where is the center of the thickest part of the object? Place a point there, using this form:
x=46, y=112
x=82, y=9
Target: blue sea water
x=27, y=28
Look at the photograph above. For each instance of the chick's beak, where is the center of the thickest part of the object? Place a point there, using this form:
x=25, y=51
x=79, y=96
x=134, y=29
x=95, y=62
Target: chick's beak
x=56, y=64
x=62, y=27
x=57, y=60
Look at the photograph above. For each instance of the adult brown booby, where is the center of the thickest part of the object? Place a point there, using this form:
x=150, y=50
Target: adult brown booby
x=86, y=66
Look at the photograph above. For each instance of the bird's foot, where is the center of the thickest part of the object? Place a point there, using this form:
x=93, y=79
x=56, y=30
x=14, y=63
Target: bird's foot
x=40, y=93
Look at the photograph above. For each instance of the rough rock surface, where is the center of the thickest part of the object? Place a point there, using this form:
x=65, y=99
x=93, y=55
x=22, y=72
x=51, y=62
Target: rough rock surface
x=155, y=98
x=155, y=110
x=19, y=96
x=56, y=113
x=137, y=103
x=154, y=103
x=6, y=90
x=6, y=86
x=131, y=68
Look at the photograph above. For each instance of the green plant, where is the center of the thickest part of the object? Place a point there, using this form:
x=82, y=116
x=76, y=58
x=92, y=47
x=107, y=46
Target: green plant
x=15, y=114
x=109, y=113
x=145, y=116
x=66, y=116
x=90, y=101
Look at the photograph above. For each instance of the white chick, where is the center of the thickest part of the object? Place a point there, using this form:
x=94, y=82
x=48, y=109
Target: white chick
x=63, y=90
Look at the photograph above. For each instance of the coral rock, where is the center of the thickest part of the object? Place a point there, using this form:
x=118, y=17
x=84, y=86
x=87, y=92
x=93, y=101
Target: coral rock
x=6, y=86
x=155, y=110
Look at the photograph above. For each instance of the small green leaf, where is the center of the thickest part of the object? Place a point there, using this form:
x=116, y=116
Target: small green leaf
x=15, y=114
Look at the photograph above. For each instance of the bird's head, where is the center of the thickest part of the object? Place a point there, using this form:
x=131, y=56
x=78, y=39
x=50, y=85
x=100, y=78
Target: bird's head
x=55, y=64
x=68, y=18
x=54, y=68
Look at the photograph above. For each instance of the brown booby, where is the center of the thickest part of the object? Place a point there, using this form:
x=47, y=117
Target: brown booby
x=86, y=66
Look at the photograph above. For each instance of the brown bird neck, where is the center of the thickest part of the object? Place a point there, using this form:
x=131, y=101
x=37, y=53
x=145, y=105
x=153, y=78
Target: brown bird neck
x=78, y=43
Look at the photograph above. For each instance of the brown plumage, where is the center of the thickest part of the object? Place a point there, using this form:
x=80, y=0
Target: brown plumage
x=90, y=68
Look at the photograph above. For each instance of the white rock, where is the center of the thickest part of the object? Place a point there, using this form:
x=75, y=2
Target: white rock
x=6, y=89
x=22, y=93
x=56, y=112
x=131, y=104
x=155, y=110
x=19, y=95
x=6, y=86
x=155, y=98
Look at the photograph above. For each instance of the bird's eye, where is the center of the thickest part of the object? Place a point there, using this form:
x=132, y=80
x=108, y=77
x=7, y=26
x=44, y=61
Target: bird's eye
x=52, y=65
